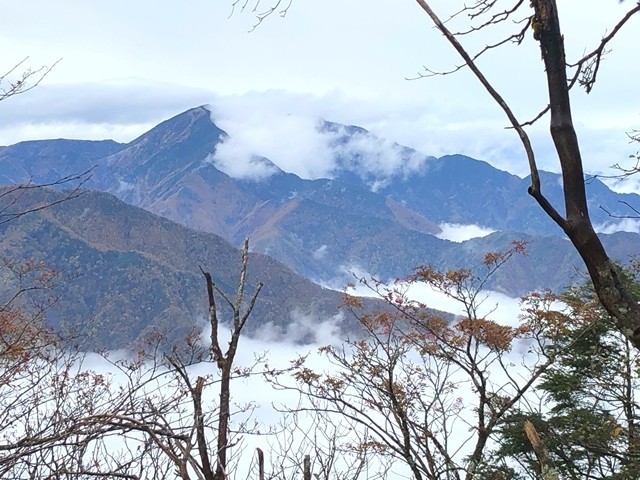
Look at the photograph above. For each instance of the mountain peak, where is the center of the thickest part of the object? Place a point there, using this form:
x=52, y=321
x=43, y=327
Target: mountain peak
x=195, y=121
x=326, y=126
x=175, y=145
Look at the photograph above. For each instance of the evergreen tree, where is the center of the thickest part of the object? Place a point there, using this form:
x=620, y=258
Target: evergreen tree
x=589, y=419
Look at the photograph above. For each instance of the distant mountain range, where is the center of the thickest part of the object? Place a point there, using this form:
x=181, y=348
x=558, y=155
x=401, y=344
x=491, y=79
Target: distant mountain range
x=361, y=218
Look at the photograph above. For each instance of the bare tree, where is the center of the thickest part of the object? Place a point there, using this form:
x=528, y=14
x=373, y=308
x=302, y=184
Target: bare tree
x=328, y=444
x=141, y=416
x=188, y=431
x=424, y=393
x=17, y=80
x=224, y=360
x=541, y=16
x=58, y=418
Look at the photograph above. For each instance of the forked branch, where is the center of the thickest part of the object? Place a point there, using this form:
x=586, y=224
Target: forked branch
x=12, y=83
x=534, y=189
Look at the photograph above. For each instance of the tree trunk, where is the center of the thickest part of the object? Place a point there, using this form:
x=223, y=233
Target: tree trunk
x=223, y=422
x=224, y=361
x=546, y=467
x=578, y=227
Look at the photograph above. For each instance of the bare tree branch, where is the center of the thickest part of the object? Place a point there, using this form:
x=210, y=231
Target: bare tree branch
x=534, y=189
x=588, y=66
x=576, y=223
x=12, y=84
x=11, y=210
x=280, y=7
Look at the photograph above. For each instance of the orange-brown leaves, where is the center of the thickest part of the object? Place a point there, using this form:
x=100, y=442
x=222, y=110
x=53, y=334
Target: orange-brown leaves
x=410, y=324
x=379, y=321
x=456, y=278
x=441, y=280
x=21, y=335
x=31, y=274
x=306, y=375
x=542, y=316
x=351, y=301
x=492, y=259
x=487, y=332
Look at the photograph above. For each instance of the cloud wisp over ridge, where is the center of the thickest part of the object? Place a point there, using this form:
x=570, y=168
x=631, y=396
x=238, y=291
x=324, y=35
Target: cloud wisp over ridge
x=307, y=146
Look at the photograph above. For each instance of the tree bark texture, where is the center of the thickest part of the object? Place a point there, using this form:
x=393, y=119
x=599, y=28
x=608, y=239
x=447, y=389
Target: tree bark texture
x=577, y=224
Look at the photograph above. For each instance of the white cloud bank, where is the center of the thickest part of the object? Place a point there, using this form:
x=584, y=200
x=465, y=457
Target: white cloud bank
x=295, y=140
x=304, y=329
x=493, y=304
x=456, y=232
x=622, y=225
x=291, y=141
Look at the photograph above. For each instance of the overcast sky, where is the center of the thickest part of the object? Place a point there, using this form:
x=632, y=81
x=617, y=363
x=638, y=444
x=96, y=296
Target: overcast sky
x=127, y=65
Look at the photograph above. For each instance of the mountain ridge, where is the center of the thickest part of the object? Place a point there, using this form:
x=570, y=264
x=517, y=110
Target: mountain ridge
x=387, y=230
x=123, y=264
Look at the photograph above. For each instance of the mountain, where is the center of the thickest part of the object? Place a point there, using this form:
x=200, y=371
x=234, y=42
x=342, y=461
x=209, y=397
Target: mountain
x=364, y=218
x=47, y=161
x=459, y=189
x=126, y=273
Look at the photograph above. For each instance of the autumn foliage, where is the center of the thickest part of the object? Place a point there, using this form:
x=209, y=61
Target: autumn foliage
x=429, y=389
